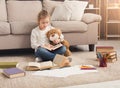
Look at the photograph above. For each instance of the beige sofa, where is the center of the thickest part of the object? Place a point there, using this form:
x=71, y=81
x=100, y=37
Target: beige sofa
x=18, y=18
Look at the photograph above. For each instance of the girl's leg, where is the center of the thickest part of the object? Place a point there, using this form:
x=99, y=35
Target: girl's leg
x=44, y=54
x=60, y=50
x=47, y=55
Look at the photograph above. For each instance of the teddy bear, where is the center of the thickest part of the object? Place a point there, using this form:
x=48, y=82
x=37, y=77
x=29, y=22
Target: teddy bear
x=55, y=37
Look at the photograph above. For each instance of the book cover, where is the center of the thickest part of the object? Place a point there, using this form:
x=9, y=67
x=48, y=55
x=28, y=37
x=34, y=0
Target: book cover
x=107, y=47
x=13, y=72
x=104, y=48
x=33, y=66
x=87, y=67
x=59, y=60
x=8, y=64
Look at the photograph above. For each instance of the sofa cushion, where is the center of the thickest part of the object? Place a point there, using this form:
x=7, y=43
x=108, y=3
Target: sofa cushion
x=22, y=27
x=50, y=5
x=4, y=28
x=3, y=13
x=90, y=18
x=70, y=26
x=23, y=10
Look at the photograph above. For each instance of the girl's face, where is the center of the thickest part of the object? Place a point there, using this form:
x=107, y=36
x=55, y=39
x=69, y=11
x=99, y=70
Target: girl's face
x=43, y=23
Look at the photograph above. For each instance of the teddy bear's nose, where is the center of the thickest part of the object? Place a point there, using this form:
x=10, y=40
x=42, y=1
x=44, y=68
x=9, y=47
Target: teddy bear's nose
x=53, y=35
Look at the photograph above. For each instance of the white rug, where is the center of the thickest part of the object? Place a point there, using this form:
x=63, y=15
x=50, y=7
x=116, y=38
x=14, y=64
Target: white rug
x=109, y=84
x=63, y=72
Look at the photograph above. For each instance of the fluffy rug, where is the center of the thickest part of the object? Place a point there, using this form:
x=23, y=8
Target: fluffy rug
x=109, y=84
x=80, y=55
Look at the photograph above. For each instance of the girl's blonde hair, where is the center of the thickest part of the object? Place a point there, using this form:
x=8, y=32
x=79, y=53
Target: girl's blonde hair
x=43, y=14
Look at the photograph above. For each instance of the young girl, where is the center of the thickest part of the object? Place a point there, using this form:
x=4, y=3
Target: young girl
x=39, y=39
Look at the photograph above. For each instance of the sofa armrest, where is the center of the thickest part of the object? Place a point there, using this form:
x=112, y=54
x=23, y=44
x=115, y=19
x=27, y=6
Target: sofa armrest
x=90, y=18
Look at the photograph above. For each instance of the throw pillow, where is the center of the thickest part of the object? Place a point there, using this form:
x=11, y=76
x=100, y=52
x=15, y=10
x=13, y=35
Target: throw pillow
x=50, y=5
x=69, y=10
x=77, y=8
x=61, y=13
x=3, y=13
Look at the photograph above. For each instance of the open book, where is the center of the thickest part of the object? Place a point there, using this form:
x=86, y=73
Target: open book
x=54, y=47
x=33, y=66
x=58, y=61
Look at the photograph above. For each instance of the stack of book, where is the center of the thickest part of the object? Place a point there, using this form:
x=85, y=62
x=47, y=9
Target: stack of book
x=107, y=52
x=111, y=56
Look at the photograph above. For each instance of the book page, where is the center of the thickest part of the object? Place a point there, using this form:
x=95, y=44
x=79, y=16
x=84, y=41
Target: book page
x=46, y=64
x=47, y=47
x=39, y=66
x=35, y=64
x=57, y=46
x=53, y=47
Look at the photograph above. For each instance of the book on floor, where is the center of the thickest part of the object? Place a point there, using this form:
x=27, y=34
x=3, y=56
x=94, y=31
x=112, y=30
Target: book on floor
x=33, y=66
x=59, y=60
x=104, y=48
x=8, y=64
x=13, y=72
x=87, y=67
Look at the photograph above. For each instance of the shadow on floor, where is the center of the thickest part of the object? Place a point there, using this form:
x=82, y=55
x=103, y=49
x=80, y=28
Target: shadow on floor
x=75, y=49
x=13, y=52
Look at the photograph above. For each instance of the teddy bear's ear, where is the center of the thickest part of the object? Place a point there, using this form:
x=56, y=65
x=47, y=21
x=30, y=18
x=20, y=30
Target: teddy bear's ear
x=59, y=31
